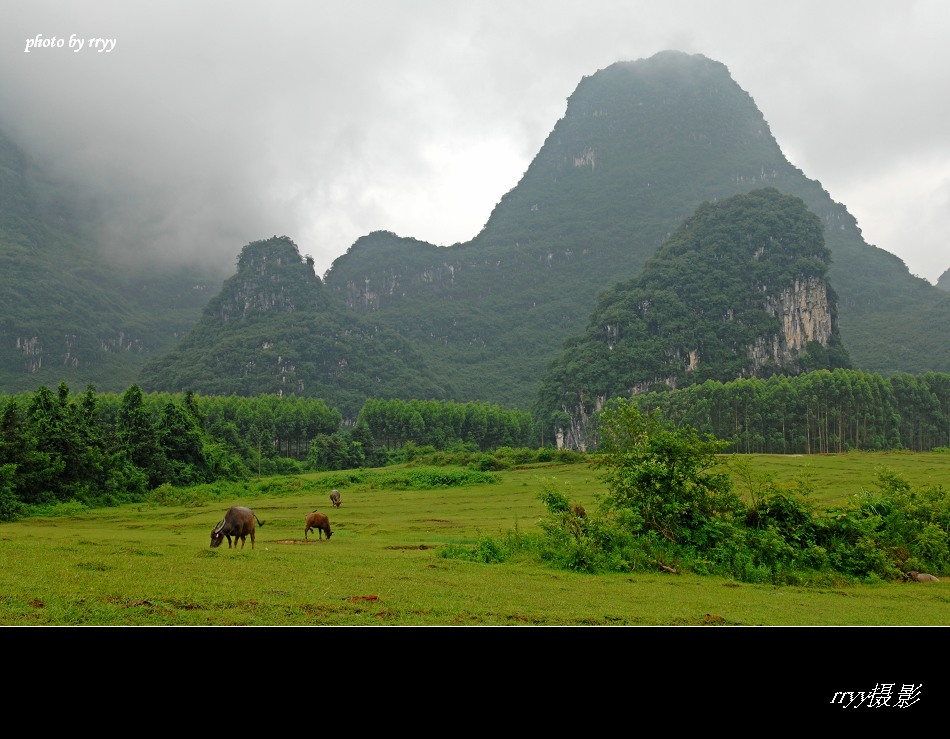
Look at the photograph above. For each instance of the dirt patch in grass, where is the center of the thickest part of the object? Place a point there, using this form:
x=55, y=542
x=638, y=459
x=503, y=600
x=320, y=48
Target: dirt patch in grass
x=299, y=541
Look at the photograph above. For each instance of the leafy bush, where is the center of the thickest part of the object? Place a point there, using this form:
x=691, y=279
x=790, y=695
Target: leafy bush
x=663, y=476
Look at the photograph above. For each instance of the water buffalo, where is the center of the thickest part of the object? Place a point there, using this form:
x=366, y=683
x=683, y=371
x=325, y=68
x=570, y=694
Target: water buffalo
x=237, y=522
x=317, y=522
x=922, y=576
x=335, y=498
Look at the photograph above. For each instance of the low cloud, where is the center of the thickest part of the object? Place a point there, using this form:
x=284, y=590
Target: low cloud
x=208, y=125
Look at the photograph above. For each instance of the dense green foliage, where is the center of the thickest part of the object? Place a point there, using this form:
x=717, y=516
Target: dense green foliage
x=485, y=426
x=426, y=478
x=663, y=480
x=671, y=505
x=104, y=449
x=56, y=447
x=107, y=448
x=817, y=412
x=812, y=413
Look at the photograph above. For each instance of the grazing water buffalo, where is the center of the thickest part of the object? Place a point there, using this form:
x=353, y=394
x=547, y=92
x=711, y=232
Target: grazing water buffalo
x=335, y=498
x=237, y=522
x=922, y=576
x=317, y=522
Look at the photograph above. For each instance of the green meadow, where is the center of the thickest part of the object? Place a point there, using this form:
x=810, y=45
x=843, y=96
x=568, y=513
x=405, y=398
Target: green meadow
x=150, y=564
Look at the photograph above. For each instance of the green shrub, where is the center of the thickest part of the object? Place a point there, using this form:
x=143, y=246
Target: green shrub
x=426, y=478
x=489, y=463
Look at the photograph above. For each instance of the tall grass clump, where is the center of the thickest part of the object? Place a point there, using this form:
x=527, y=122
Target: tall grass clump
x=492, y=550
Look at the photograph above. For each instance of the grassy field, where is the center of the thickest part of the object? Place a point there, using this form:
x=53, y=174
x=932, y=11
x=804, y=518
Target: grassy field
x=152, y=565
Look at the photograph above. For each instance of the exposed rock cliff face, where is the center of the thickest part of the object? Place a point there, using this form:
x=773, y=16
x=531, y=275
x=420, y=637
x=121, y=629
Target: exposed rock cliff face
x=805, y=313
x=373, y=292
x=73, y=352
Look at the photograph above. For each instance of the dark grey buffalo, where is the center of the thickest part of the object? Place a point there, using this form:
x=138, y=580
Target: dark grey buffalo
x=922, y=576
x=317, y=522
x=237, y=522
x=335, y=498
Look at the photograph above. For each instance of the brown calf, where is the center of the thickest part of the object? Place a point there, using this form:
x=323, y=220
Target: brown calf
x=317, y=522
x=335, y=498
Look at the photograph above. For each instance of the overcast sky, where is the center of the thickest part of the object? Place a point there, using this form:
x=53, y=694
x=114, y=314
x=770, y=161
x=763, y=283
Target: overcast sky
x=212, y=124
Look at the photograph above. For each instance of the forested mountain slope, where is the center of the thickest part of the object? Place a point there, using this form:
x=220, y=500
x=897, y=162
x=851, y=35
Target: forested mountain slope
x=738, y=291
x=274, y=329
x=641, y=145
x=65, y=312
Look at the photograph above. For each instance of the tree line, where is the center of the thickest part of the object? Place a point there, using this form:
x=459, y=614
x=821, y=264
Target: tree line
x=108, y=448
x=440, y=424
x=818, y=412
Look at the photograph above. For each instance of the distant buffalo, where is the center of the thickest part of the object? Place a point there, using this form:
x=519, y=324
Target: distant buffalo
x=335, y=498
x=317, y=522
x=922, y=577
x=237, y=522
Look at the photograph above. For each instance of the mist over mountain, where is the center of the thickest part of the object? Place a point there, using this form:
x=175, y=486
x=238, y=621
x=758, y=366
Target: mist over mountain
x=67, y=312
x=641, y=146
